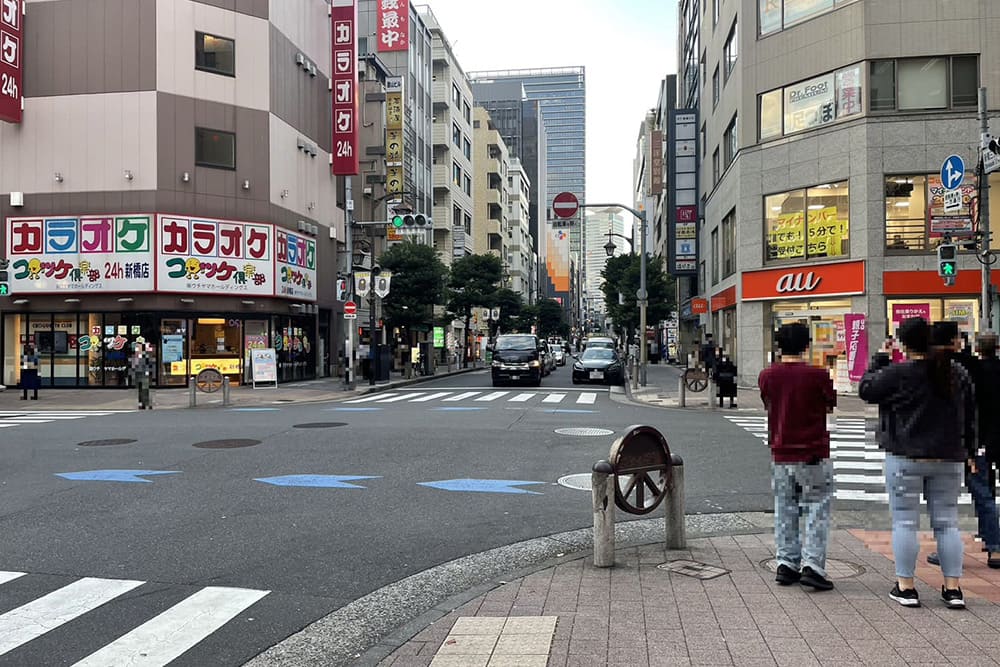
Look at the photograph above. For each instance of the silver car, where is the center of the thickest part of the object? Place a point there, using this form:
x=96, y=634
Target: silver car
x=558, y=354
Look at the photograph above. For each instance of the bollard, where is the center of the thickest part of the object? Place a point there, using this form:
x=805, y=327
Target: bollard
x=602, y=480
x=711, y=392
x=192, y=389
x=682, y=392
x=675, y=529
x=225, y=391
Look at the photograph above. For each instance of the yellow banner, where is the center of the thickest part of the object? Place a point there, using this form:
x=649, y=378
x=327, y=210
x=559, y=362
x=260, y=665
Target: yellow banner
x=224, y=366
x=825, y=234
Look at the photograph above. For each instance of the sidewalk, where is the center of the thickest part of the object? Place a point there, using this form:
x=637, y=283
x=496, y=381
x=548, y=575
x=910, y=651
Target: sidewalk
x=306, y=391
x=662, y=389
x=724, y=608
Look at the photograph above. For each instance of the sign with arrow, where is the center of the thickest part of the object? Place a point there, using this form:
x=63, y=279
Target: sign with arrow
x=114, y=475
x=481, y=485
x=316, y=481
x=952, y=172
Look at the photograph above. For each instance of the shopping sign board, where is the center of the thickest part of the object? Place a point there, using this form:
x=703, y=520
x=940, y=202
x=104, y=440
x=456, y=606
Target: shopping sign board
x=954, y=220
x=296, y=266
x=11, y=60
x=682, y=193
x=344, y=15
x=393, y=27
x=201, y=255
x=99, y=253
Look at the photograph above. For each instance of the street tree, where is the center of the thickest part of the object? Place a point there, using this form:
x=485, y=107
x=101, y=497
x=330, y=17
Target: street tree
x=473, y=283
x=511, y=304
x=621, y=276
x=552, y=319
x=418, y=283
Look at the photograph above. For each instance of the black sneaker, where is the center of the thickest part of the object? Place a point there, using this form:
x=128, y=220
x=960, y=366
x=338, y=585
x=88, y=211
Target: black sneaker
x=815, y=580
x=907, y=598
x=786, y=576
x=953, y=597
x=933, y=559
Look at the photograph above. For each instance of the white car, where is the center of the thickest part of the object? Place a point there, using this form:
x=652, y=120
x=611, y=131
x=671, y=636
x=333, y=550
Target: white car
x=558, y=354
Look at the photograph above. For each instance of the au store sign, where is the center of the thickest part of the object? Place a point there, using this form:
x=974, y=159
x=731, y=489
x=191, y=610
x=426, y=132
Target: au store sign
x=100, y=253
x=296, y=266
x=804, y=282
x=200, y=255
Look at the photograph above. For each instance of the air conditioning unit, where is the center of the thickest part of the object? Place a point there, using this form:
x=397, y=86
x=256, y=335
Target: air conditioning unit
x=312, y=69
x=300, y=60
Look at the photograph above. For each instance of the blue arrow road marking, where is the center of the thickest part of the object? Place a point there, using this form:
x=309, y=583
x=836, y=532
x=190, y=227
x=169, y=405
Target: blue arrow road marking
x=481, y=485
x=114, y=475
x=322, y=481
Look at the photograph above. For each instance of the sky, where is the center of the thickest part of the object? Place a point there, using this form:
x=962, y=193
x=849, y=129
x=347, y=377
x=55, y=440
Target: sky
x=627, y=47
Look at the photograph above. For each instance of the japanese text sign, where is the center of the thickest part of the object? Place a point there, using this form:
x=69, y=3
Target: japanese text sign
x=103, y=253
x=393, y=25
x=959, y=222
x=344, y=15
x=857, y=345
x=296, y=257
x=11, y=60
x=214, y=256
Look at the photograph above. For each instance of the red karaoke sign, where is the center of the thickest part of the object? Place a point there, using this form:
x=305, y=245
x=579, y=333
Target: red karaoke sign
x=393, y=25
x=11, y=60
x=345, y=88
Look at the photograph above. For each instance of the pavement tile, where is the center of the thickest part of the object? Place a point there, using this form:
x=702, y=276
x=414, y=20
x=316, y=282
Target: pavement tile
x=480, y=625
x=626, y=639
x=536, y=625
x=710, y=658
x=417, y=661
x=585, y=661
x=460, y=661
x=518, y=661
x=597, y=648
x=796, y=659
x=523, y=644
x=753, y=661
x=468, y=645
x=669, y=661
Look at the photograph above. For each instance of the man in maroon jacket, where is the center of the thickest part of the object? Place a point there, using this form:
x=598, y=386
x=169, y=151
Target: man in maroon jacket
x=798, y=398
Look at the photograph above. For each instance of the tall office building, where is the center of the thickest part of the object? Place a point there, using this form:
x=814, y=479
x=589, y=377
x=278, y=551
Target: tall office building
x=490, y=165
x=598, y=223
x=520, y=255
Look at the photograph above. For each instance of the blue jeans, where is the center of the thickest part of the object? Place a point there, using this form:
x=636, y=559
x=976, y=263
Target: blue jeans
x=982, y=486
x=940, y=482
x=802, y=488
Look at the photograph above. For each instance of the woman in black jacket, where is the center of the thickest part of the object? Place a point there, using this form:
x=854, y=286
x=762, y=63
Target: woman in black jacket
x=927, y=425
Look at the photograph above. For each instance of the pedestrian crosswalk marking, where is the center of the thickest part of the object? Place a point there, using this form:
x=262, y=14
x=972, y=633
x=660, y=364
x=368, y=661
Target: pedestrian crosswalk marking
x=430, y=397
x=164, y=638
x=463, y=396
x=11, y=418
x=587, y=398
x=493, y=396
x=522, y=398
x=548, y=398
x=34, y=619
x=373, y=397
x=401, y=397
x=9, y=576
x=554, y=398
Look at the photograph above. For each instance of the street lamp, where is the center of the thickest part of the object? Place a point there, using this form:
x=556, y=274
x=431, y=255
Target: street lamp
x=641, y=295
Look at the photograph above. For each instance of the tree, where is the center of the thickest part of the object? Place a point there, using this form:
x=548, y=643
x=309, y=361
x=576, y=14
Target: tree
x=473, y=283
x=511, y=304
x=621, y=276
x=551, y=319
x=418, y=282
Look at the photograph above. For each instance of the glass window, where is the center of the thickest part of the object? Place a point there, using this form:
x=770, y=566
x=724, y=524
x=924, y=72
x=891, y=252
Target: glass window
x=915, y=218
x=965, y=81
x=769, y=14
x=731, y=49
x=214, y=148
x=456, y=135
x=770, y=114
x=803, y=224
x=467, y=185
x=797, y=10
x=715, y=255
x=456, y=173
x=456, y=216
x=467, y=112
x=810, y=104
x=715, y=88
x=715, y=11
x=715, y=167
x=456, y=96
x=704, y=140
x=923, y=83
x=731, y=141
x=214, y=54
x=467, y=148
x=174, y=352
x=883, y=85
x=729, y=244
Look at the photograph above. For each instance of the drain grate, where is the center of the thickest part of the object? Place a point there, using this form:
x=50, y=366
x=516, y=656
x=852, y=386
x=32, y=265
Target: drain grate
x=232, y=443
x=107, y=442
x=321, y=425
x=835, y=568
x=692, y=568
x=584, y=432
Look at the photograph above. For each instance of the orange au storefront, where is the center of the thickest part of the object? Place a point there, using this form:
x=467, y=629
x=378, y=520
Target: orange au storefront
x=923, y=294
x=817, y=295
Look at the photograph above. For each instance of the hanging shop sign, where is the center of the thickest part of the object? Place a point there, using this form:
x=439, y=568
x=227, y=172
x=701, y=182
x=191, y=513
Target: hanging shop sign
x=682, y=193
x=839, y=279
x=296, y=266
x=393, y=25
x=344, y=17
x=957, y=221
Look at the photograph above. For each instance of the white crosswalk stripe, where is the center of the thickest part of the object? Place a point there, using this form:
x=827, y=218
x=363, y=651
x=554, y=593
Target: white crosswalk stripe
x=493, y=396
x=525, y=399
x=430, y=397
x=372, y=397
x=396, y=399
x=154, y=643
x=11, y=418
x=462, y=396
x=587, y=398
x=554, y=398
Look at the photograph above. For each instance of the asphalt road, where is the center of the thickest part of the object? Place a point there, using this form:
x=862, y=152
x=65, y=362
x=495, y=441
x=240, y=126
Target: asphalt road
x=312, y=549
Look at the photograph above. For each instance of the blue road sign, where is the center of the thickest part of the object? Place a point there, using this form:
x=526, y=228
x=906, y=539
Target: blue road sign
x=952, y=172
x=114, y=475
x=321, y=481
x=480, y=485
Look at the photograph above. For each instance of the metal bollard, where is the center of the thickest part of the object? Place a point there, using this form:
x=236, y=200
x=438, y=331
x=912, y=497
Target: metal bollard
x=225, y=391
x=675, y=529
x=682, y=392
x=601, y=480
x=192, y=397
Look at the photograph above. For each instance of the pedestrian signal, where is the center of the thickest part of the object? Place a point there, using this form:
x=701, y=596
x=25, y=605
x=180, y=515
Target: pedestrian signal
x=947, y=255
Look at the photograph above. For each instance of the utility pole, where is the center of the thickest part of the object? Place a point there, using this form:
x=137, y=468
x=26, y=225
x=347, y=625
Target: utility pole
x=349, y=342
x=643, y=298
x=985, y=312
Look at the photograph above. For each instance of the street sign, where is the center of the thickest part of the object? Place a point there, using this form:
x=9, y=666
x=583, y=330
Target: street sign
x=952, y=201
x=991, y=161
x=350, y=308
x=382, y=284
x=952, y=172
x=565, y=205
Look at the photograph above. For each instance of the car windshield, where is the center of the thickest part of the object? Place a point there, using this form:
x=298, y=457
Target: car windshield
x=516, y=343
x=598, y=353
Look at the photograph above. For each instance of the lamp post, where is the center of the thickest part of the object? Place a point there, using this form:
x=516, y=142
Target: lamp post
x=641, y=295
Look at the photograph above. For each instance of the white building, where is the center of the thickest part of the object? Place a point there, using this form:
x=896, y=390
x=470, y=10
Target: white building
x=520, y=256
x=597, y=223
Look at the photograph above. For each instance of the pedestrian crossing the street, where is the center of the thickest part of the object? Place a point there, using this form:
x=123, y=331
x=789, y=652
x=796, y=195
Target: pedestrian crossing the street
x=12, y=418
x=158, y=641
x=858, y=463
x=517, y=398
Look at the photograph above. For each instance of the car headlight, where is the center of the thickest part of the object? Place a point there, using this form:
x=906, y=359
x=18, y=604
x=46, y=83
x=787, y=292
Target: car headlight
x=614, y=367
x=497, y=363
x=577, y=367
x=534, y=363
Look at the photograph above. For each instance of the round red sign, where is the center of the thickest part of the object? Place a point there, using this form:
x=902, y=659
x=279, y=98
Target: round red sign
x=350, y=308
x=565, y=205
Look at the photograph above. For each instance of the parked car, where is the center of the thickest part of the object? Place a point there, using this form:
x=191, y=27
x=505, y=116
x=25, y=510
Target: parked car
x=559, y=354
x=598, y=364
x=548, y=362
x=517, y=358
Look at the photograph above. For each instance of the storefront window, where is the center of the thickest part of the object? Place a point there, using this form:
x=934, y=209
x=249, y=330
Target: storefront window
x=825, y=319
x=812, y=103
x=915, y=217
x=963, y=311
x=254, y=338
x=806, y=224
x=217, y=343
x=173, y=352
x=777, y=14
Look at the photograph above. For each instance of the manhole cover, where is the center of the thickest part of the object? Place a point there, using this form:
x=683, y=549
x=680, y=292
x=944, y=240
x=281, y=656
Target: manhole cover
x=580, y=482
x=584, y=431
x=106, y=443
x=692, y=568
x=835, y=569
x=232, y=443
x=321, y=425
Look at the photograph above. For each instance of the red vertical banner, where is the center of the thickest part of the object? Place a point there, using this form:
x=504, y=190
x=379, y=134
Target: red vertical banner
x=393, y=25
x=11, y=60
x=345, y=88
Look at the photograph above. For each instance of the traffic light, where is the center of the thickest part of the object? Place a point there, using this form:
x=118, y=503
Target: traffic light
x=410, y=221
x=947, y=255
x=4, y=285
x=397, y=221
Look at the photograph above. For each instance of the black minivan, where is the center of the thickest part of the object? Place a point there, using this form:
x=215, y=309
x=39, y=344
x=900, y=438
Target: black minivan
x=517, y=358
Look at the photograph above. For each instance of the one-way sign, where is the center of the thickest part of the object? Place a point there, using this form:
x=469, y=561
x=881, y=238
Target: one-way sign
x=991, y=161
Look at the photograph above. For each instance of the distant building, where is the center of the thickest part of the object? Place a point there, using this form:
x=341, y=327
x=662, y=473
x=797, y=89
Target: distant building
x=520, y=256
x=490, y=164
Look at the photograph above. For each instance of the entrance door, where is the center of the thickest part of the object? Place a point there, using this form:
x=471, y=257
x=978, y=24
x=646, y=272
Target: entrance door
x=173, y=352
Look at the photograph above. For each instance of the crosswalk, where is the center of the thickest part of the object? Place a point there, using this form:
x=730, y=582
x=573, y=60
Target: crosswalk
x=158, y=641
x=545, y=399
x=858, y=463
x=11, y=418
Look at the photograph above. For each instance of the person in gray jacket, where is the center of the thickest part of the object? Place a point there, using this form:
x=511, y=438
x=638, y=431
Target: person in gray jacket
x=927, y=426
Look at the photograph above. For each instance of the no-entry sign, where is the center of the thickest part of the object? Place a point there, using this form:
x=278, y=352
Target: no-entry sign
x=350, y=310
x=565, y=205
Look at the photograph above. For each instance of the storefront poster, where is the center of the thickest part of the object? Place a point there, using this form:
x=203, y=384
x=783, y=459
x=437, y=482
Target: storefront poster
x=264, y=365
x=224, y=366
x=438, y=337
x=296, y=257
x=857, y=345
x=962, y=312
x=810, y=104
x=99, y=253
x=959, y=223
x=824, y=235
x=905, y=311
x=172, y=348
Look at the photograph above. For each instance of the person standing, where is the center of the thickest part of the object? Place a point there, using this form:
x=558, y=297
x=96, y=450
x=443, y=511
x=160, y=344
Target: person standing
x=926, y=426
x=725, y=379
x=29, y=373
x=798, y=398
x=708, y=353
x=982, y=480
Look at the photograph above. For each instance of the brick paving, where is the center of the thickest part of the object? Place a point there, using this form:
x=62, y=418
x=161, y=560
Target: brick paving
x=637, y=614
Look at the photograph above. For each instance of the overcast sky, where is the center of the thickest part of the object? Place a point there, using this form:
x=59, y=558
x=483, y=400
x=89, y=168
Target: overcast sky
x=627, y=48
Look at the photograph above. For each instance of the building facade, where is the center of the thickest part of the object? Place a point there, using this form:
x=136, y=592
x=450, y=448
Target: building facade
x=490, y=166
x=520, y=255
x=597, y=224
x=823, y=129
x=170, y=183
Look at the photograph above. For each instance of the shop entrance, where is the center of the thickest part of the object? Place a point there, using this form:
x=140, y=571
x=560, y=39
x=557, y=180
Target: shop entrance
x=825, y=320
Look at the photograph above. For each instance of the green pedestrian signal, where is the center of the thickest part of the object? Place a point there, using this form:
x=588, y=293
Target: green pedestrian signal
x=947, y=255
x=4, y=289
x=948, y=268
